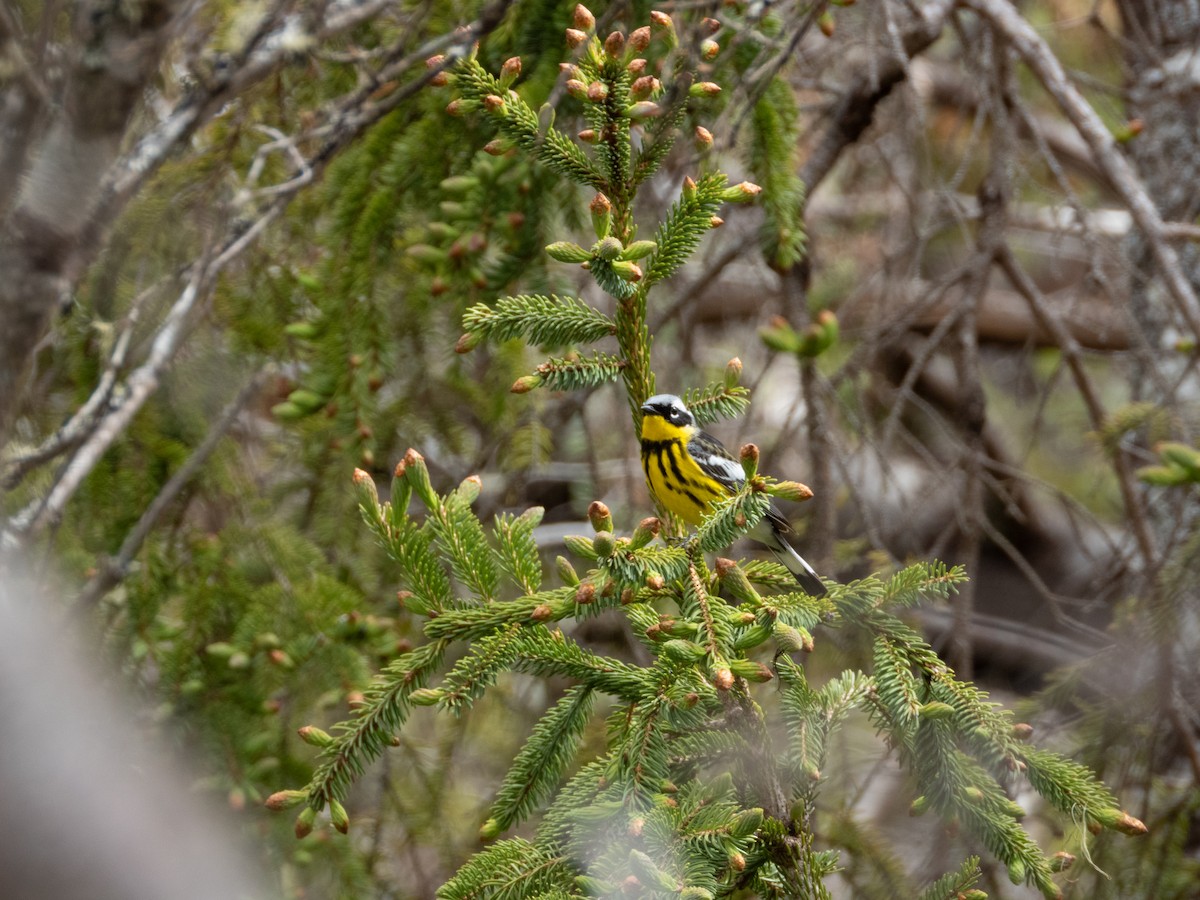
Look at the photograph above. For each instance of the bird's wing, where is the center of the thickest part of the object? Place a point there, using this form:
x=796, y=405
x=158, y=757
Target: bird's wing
x=718, y=463
x=715, y=461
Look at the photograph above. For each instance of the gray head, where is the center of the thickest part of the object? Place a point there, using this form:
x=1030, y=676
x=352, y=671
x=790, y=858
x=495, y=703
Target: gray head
x=669, y=407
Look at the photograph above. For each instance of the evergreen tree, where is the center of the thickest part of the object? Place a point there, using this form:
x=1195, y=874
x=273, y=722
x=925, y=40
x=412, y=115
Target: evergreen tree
x=696, y=793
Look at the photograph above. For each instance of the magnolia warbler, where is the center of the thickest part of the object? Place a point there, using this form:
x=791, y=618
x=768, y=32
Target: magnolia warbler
x=688, y=470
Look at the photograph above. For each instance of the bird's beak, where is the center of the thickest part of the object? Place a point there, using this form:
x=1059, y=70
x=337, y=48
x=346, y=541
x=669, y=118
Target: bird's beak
x=647, y=408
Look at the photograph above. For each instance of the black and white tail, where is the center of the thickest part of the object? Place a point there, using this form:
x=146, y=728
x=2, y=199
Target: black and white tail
x=789, y=558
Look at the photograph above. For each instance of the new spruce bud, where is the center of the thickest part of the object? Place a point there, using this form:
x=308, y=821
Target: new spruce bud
x=604, y=544
x=338, y=815
x=704, y=138
x=468, y=342
x=638, y=250
x=749, y=457
x=741, y=193
x=643, y=109
x=567, y=252
x=710, y=26
x=751, y=670
x=566, y=571
x=709, y=49
x=601, y=210
x=608, y=248
x=579, y=546
x=629, y=271
x=583, y=18
x=636, y=67
x=510, y=71
x=425, y=697
x=314, y=736
x=645, y=87
x=1061, y=861
x=715, y=222
x=614, y=45
x=304, y=822
x=282, y=800
x=752, y=637
x=733, y=373
x=489, y=830
x=723, y=679
x=417, y=474
x=1119, y=820
x=525, y=384
x=663, y=28
x=365, y=491
x=585, y=593
x=575, y=37
x=588, y=136
x=734, y=580
x=790, y=490
x=1022, y=731
x=639, y=39
x=597, y=92
x=600, y=517
x=470, y=488
x=704, y=89
x=683, y=651
x=646, y=531
x=576, y=88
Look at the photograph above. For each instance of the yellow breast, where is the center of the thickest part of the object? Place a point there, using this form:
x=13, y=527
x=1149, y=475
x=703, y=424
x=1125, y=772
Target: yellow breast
x=678, y=484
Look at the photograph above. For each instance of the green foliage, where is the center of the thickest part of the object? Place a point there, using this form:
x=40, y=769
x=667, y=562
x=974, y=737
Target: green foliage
x=687, y=221
x=952, y=885
x=540, y=320
x=676, y=800
x=774, y=141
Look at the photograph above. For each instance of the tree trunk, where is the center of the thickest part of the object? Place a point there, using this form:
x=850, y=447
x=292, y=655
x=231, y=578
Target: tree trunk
x=42, y=236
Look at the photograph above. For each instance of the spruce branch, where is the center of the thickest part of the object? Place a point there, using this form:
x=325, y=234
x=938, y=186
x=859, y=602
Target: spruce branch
x=659, y=139
x=717, y=401
x=479, y=669
x=516, y=550
x=517, y=121
x=541, y=763
x=384, y=710
x=540, y=653
x=541, y=320
x=459, y=534
x=953, y=885
x=731, y=518
x=477, y=622
x=774, y=139
x=511, y=870
x=575, y=373
x=686, y=223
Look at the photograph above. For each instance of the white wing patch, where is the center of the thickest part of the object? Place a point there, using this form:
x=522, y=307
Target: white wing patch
x=715, y=461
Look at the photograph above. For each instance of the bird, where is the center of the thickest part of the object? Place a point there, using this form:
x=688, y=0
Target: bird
x=689, y=470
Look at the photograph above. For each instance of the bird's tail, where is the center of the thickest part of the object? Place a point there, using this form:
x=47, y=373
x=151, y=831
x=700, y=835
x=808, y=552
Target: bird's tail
x=790, y=559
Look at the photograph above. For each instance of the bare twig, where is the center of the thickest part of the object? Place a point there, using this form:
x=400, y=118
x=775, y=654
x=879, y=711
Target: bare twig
x=111, y=571
x=84, y=420
x=1087, y=391
x=1035, y=53
x=856, y=108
